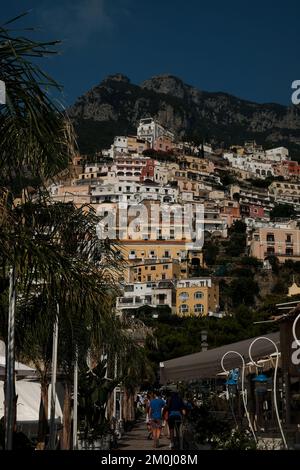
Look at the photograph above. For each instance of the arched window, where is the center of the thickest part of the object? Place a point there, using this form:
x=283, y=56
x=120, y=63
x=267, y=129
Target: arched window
x=184, y=308
x=199, y=308
x=198, y=295
x=183, y=296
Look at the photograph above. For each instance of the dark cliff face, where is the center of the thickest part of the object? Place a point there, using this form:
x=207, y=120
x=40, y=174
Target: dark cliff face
x=115, y=106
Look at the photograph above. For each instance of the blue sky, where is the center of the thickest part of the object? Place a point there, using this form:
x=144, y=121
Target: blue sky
x=246, y=48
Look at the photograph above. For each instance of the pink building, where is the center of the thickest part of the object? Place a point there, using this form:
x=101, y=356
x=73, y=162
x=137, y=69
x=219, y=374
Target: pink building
x=282, y=242
x=163, y=143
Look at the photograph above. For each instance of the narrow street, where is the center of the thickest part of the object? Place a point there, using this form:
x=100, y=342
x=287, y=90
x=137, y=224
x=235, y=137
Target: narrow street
x=136, y=439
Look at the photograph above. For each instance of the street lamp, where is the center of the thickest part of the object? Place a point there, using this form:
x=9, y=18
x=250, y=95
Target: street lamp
x=275, y=381
x=10, y=364
x=52, y=433
x=244, y=393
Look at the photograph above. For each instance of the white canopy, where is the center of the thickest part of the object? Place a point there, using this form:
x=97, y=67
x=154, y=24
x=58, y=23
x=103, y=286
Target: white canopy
x=28, y=404
x=28, y=390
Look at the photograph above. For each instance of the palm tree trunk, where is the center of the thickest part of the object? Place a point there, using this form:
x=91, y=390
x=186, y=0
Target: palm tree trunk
x=66, y=434
x=43, y=427
x=128, y=405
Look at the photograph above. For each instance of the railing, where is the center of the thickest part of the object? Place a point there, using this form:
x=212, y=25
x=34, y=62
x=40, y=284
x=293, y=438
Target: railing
x=283, y=255
x=132, y=301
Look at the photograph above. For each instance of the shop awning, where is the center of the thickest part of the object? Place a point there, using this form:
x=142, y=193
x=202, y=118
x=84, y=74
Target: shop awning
x=207, y=364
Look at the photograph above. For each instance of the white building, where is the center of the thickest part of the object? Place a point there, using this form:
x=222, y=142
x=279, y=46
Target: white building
x=120, y=144
x=133, y=192
x=278, y=154
x=151, y=130
x=258, y=165
x=153, y=294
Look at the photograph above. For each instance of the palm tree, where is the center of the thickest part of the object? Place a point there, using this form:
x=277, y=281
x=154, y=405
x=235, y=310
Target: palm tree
x=36, y=137
x=55, y=254
x=53, y=247
x=60, y=259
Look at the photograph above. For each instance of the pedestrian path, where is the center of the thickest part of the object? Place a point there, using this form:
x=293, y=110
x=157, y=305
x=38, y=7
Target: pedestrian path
x=136, y=439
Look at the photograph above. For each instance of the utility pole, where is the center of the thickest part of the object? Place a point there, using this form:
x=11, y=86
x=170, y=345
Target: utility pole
x=53, y=382
x=10, y=364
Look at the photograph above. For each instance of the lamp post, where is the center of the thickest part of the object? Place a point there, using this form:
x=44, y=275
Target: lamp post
x=10, y=347
x=275, y=381
x=53, y=382
x=75, y=401
x=10, y=364
x=244, y=394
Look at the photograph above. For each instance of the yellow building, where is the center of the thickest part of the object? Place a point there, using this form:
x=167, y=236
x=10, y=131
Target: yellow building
x=136, y=145
x=196, y=297
x=136, y=252
x=154, y=270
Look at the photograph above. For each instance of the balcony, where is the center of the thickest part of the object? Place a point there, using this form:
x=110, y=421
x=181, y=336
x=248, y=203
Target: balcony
x=133, y=301
x=282, y=255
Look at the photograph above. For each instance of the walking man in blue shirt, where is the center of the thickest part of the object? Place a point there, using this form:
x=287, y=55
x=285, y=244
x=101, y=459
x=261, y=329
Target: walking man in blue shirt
x=155, y=415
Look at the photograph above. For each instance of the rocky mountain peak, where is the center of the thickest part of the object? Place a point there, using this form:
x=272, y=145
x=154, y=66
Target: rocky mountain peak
x=166, y=84
x=115, y=107
x=117, y=77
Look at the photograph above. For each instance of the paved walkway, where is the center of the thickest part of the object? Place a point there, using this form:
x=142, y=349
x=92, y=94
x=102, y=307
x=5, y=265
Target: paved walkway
x=136, y=439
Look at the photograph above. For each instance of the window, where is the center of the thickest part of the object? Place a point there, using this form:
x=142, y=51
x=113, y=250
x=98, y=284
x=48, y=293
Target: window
x=149, y=277
x=183, y=296
x=270, y=237
x=132, y=252
x=184, y=308
x=289, y=251
x=165, y=266
x=198, y=295
x=153, y=268
x=199, y=308
x=289, y=238
x=270, y=250
x=166, y=254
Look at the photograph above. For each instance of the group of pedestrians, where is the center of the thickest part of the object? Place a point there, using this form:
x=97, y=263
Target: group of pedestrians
x=161, y=412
